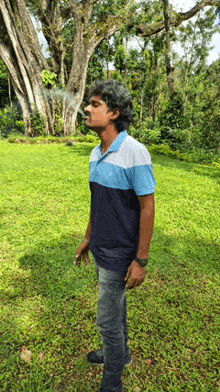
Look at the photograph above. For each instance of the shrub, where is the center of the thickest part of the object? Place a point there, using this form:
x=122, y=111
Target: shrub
x=173, y=116
x=38, y=124
x=49, y=78
x=17, y=138
x=59, y=125
x=197, y=155
x=10, y=122
x=150, y=136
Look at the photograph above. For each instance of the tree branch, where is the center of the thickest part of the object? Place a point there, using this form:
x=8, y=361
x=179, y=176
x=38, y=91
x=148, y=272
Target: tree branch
x=175, y=20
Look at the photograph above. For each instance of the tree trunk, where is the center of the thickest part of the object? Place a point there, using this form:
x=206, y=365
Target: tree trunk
x=82, y=52
x=170, y=80
x=9, y=91
x=21, y=52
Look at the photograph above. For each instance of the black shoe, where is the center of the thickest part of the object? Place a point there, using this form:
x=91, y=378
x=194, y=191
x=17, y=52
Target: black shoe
x=96, y=357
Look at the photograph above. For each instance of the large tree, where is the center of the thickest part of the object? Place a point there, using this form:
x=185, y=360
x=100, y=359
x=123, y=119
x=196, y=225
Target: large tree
x=92, y=21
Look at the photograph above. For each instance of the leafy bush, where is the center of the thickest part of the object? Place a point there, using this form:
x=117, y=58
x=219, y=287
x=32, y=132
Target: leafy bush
x=150, y=136
x=196, y=156
x=81, y=129
x=10, y=121
x=59, y=125
x=134, y=132
x=88, y=138
x=17, y=138
x=38, y=124
x=49, y=78
x=173, y=117
x=91, y=139
x=179, y=139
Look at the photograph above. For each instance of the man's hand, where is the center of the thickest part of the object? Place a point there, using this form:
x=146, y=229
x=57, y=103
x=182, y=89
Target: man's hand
x=137, y=274
x=82, y=253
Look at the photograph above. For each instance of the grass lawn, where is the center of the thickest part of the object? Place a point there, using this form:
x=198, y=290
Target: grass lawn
x=48, y=306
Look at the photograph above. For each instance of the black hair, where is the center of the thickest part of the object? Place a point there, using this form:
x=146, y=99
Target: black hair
x=115, y=96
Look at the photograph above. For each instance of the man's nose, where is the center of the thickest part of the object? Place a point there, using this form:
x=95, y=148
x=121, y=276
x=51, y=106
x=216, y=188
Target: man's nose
x=87, y=109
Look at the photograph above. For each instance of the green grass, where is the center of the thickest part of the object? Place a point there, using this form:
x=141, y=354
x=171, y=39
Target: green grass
x=49, y=306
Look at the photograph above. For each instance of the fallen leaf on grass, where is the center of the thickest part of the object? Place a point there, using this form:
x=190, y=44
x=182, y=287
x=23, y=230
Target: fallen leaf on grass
x=25, y=354
x=149, y=362
x=41, y=356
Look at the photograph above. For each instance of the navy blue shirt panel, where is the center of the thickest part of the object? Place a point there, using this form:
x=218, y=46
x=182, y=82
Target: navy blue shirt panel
x=115, y=226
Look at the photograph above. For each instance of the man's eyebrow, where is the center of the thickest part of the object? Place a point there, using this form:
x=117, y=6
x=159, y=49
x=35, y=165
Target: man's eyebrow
x=95, y=101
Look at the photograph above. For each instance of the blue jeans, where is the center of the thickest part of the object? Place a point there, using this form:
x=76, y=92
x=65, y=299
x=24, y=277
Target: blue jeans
x=112, y=324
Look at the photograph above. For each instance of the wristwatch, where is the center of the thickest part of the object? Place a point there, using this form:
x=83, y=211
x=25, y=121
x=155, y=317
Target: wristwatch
x=142, y=262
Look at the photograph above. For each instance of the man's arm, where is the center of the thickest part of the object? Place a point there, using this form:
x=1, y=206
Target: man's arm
x=146, y=225
x=89, y=227
x=136, y=273
x=82, y=252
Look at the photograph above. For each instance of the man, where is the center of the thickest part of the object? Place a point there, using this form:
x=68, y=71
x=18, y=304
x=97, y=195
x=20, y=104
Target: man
x=121, y=222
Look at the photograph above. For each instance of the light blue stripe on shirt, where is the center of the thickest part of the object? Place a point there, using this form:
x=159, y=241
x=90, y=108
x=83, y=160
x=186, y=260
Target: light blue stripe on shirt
x=140, y=178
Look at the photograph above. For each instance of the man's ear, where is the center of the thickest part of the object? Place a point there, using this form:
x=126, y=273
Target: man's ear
x=116, y=113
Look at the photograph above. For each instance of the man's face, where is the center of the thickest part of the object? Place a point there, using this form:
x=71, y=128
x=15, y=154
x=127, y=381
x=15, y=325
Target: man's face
x=99, y=116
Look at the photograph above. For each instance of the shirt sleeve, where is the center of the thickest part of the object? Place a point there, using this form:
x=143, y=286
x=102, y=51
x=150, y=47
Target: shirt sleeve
x=140, y=174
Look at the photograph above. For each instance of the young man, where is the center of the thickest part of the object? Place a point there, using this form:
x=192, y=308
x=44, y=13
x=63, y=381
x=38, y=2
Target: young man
x=121, y=222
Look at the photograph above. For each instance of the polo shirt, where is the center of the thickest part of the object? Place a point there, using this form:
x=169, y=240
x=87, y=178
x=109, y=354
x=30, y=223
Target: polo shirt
x=116, y=179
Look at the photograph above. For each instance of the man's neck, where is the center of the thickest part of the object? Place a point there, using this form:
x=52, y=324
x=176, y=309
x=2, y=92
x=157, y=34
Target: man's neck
x=107, y=137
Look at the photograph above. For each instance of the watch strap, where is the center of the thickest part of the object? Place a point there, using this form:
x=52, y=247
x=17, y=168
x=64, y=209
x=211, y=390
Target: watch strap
x=142, y=262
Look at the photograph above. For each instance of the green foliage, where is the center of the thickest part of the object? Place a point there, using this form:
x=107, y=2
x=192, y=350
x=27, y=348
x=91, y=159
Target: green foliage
x=10, y=121
x=4, y=96
x=95, y=68
x=116, y=76
x=59, y=125
x=38, y=123
x=120, y=58
x=196, y=156
x=210, y=123
x=173, y=115
x=195, y=38
x=91, y=137
x=150, y=136
x=190, y=120
x=49, y=78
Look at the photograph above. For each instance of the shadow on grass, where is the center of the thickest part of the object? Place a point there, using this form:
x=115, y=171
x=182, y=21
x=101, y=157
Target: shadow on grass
x=48, y=311
x=53, y=270
x=202, y=170
x=53, y=274
x=182, y=255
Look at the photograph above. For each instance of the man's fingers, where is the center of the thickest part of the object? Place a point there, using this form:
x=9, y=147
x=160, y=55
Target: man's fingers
x=82, y=256
x=134, y=283
x=128, y=274
x=86, y=259
x=77, y=260
x=130, y=284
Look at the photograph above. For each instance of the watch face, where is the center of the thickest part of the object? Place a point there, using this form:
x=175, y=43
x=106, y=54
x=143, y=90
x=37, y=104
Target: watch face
x=142, y=262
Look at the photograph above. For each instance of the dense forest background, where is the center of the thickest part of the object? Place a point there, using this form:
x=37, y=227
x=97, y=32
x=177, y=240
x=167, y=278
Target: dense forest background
x=176, y=94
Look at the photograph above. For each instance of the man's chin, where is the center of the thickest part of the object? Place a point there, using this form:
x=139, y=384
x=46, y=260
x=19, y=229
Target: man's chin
x=93, y=128
x=88, y=125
